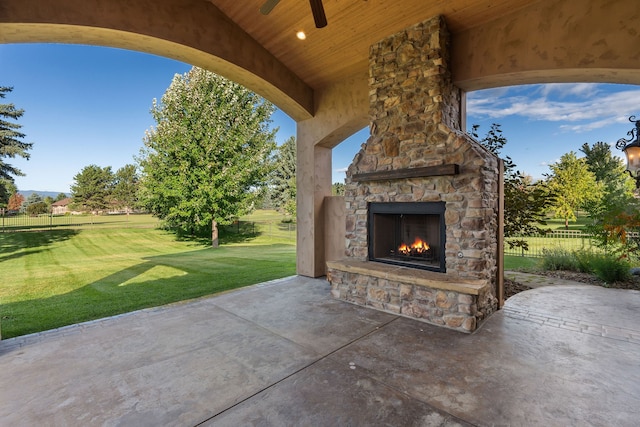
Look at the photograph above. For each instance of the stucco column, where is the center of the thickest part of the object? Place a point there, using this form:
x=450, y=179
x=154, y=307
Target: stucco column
x=340, y=110
x=313, y=182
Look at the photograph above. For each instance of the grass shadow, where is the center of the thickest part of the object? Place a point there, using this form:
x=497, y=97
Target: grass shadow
x=156, y=281
x=17, y=244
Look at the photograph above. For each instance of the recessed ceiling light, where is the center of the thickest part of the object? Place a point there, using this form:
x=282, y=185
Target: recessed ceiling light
x=301, y=35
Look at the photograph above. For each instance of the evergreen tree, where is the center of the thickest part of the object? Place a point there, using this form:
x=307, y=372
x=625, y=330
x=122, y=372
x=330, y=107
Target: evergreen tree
x=283, y=181
x=92, y=188
x=617, y=212
x=10, y=142
x=208, y=154
x=609, y=171
x=125, y=187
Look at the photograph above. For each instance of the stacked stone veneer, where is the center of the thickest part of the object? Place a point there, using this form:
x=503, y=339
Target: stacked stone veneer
x=415, y=113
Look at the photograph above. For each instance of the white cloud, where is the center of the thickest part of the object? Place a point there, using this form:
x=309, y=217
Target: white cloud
x=550, y=162
x=341, y=170
x=576, y=89
x=598, y=105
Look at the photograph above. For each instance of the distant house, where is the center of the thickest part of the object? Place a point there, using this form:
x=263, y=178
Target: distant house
x=61, y=207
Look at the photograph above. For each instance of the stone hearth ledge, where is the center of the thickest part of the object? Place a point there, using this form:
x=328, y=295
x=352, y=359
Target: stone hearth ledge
x=410, y=276
x=424, y=295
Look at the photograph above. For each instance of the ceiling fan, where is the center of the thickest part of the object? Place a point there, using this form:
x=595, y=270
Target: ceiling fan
x=316, y=8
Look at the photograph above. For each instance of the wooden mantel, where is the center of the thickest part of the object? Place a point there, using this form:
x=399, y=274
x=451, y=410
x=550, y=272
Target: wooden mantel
x=440, y=170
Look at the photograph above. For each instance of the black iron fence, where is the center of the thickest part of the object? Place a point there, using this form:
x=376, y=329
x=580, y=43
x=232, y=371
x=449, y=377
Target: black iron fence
x=239, y=229
x=568, y=240
x=22, y=222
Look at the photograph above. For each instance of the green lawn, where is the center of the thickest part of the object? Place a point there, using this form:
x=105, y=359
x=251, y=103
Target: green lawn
x=114, y=264
x=520, y=263
x=60, y=277
x=558, y=224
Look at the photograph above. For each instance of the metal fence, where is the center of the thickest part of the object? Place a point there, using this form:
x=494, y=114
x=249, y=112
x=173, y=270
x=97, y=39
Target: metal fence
x=568, y=240
x=22, y=222
x=240, y=229
x=248, y=229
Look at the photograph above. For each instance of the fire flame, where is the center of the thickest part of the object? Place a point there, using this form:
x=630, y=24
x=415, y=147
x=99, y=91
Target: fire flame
x=418, y=247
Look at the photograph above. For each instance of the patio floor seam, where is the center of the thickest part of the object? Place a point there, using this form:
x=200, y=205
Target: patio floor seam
x=316, y=361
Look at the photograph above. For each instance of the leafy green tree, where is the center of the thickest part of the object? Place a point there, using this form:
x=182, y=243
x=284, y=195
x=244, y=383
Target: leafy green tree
x=34, y=205
x=283, y=180
x=525, y=203
x=49, y=201
x=207, y=155
x=92, y=188
x=10, y=143
x=337, y=189
x=574, y=184
x=59, y=197
x=37, y=208
x=125, y=187
x=7, y=188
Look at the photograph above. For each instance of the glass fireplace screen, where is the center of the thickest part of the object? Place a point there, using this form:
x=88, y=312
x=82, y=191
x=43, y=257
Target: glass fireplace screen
x=408, y=234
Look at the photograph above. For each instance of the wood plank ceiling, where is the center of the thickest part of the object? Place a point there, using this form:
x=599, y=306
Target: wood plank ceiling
x=341, y=49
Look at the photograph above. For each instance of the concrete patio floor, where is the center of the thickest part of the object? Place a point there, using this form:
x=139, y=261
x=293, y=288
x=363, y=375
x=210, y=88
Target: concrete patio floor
x=284, y=353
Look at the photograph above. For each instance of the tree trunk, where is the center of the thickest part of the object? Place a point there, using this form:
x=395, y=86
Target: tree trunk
x=214, y=234
x=566, y=223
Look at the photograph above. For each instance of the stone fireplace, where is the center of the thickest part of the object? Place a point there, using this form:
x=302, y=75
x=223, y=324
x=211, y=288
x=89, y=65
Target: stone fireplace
x=420, y=181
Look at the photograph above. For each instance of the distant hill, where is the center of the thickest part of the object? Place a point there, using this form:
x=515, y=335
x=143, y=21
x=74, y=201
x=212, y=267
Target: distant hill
x=52, y=194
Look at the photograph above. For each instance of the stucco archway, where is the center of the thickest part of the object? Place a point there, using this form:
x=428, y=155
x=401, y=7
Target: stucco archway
x=510, y=43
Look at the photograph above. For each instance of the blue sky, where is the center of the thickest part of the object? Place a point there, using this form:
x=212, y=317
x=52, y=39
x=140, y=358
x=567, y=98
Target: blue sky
x=90, y=105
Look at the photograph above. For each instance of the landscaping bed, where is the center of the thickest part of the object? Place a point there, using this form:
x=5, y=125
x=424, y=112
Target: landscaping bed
x=512, y=287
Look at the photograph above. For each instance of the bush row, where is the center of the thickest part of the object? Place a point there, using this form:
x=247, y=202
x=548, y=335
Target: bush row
x=607, y=267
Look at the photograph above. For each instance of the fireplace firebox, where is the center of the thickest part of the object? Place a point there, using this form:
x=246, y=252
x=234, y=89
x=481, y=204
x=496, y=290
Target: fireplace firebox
x=409, y=234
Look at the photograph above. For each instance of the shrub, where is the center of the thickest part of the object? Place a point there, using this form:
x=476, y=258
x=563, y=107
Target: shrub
x=585, y=261
x=611, y=269
x=559, y=259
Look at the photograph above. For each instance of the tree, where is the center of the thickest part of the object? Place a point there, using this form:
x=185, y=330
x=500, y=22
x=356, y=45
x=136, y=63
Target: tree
x=207, y=155
x=15, y=202
x=7, y=188
x=616, y=213
x=10, y=143
x=35, y=205
x=32, y=199
x=92, y=188
x=337, y=189
x=604, y=166
x=609, y=172
x=37, y=208
x=60, y=196
x=283, y=180
x=574, y=184
x=125, y=187
x=525, y=203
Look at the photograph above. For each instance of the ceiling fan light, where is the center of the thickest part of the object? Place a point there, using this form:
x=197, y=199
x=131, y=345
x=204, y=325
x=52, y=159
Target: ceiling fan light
x=301, y=35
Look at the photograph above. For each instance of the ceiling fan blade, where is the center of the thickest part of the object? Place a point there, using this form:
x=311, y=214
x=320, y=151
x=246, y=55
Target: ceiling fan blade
x=318, y=13
x=268, y=6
